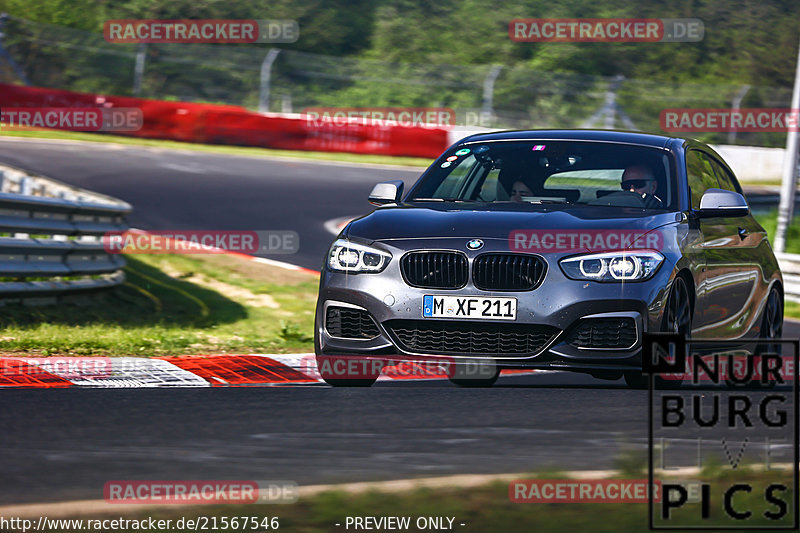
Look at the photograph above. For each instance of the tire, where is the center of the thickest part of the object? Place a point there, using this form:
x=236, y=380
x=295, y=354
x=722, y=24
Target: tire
x=475, y=383
x=678, y=314
x=349, y=382
x=635, y=380
x=326, y=366
x=772, y=323
x=677, y=319
x=483, y=374
x=771, y=327
x=609, y=375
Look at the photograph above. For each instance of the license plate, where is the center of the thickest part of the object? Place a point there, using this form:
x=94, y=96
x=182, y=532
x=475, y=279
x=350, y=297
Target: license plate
x=469, y=307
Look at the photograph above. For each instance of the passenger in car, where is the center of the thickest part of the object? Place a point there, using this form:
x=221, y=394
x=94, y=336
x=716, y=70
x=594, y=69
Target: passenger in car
x=518, y=190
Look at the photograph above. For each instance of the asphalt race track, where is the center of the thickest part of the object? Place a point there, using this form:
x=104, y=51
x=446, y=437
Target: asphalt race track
x=66, y=444
x=182, y=190
x=61, y=445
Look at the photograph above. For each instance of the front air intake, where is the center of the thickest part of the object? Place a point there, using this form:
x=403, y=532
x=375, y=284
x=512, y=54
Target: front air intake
x=349, y=323
x=435, y=270
x=508, y=272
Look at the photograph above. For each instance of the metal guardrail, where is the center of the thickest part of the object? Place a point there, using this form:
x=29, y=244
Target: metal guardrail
x=790, y=268
x=50, y=237
x=49, y=229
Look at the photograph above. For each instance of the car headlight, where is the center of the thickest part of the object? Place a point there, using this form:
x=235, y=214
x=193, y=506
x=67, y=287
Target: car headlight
x=346, y=256
x=612, y=266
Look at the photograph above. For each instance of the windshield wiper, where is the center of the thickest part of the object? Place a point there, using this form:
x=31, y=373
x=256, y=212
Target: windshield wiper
x=549, y=201
x=537, y=201
x=440, y=200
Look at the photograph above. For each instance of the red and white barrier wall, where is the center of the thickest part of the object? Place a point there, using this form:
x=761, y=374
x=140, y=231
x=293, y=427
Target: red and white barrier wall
x=220, y=124
x=187, y=371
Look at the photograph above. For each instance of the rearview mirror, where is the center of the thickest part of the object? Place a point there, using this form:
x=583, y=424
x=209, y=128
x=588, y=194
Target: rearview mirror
x=722, y=203
x=388, y=192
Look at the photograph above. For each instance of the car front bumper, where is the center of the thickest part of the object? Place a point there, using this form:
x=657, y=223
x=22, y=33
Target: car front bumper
x=559, y=302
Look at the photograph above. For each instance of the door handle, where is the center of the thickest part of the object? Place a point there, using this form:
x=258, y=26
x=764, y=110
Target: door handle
x=743, y=233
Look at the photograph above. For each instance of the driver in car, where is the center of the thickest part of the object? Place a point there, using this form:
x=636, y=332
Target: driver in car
x=640, y=180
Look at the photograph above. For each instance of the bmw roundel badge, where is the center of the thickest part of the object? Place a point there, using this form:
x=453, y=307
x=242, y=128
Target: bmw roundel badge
x=475, y=244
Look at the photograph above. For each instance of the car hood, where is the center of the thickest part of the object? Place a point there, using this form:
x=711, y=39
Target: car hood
x=497, y=221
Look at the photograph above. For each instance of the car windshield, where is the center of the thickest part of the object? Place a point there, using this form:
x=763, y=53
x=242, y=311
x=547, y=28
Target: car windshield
x=552, y=172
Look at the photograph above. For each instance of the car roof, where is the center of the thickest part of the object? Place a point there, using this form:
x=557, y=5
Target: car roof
x=629, y=137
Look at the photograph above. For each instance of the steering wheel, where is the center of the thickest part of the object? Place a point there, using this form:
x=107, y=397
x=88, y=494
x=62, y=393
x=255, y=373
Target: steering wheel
x=651, y=201
x=621, y=198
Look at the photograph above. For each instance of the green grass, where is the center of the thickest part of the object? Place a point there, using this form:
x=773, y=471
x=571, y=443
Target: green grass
x=770, y=223
x=223, y=149
x=791, y=309
x=772, y=182
x=480, y=509
x=221, y=310
x=178, y=304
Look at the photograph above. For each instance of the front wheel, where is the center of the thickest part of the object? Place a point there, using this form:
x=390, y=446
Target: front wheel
x=333, y=382
x=678, y=314
x=771, y=328
x=348, y=371
x=474, y=373
x=475, y=382
x=771, y=323
x=677, y=319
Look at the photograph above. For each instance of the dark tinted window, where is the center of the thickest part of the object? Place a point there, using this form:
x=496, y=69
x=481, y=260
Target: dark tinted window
x=701, y=176
x=725, y=178
x=567, y=172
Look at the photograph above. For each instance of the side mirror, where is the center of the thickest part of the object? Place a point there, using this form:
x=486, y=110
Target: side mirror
x=722, y=203
x=388, y=192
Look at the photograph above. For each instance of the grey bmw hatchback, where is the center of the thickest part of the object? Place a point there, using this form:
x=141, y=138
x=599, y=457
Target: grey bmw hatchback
x=548, y=250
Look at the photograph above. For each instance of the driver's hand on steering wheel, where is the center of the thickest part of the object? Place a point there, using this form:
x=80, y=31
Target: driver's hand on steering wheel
x=651, y=201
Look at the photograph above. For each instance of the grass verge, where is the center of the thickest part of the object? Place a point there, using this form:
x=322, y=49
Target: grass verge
x=224, y=149
x=484, y=508
x=178, y=304
x=770, y=222
x=174, y=304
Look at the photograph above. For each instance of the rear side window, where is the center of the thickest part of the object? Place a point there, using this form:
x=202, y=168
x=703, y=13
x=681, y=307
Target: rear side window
x=726, y=180
x=700, y=174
